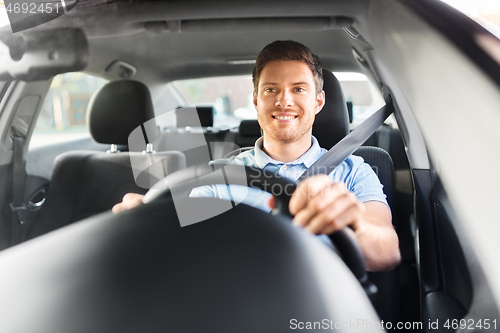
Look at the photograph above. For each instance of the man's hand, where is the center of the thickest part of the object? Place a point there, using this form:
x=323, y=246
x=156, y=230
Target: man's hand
x=130, y=200
x=323, y=207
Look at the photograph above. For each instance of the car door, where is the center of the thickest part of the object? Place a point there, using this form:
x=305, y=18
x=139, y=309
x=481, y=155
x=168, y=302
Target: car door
x=49, y=116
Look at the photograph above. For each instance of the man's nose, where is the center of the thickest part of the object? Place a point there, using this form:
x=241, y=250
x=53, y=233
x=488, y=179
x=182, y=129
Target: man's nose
x=284, y=99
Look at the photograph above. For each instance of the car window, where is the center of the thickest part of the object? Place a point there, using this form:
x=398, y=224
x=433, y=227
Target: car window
x=361, y=95
x=63, y=114
x=231, y=96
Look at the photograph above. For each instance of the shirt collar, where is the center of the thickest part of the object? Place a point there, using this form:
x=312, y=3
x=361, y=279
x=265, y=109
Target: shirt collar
x=309, y=157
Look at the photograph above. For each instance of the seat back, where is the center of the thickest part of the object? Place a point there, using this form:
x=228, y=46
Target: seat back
x=332, y=122
x=249, y=131
x=382, y=165
x=195, y=136
x=85, y=183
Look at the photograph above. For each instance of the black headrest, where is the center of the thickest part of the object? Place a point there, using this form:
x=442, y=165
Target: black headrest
x=250, y=127
x=332, y=123
x=203, y=117
x=117, y=109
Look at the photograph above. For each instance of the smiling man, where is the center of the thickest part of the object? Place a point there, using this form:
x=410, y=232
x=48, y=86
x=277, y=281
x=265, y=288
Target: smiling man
x=288, y=93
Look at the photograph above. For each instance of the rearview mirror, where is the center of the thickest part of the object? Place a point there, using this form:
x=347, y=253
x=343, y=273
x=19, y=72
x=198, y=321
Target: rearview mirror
x=34, y=56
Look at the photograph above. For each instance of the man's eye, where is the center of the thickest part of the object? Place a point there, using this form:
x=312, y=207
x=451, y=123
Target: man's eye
x=300, y=89
x=271, y=90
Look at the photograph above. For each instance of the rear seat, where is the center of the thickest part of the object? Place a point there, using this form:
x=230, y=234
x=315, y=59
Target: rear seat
x=85, y=182
x=193, y=131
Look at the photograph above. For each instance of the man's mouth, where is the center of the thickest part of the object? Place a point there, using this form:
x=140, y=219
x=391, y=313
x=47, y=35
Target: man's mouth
x=284, y=117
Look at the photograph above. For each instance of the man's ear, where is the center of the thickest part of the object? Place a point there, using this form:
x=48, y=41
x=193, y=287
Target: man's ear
x=320, y=101
x=255, y=99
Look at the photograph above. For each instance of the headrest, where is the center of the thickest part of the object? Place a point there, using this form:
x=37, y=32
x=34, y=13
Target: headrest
x=117, y=109
x=332, y=123
x=203, y=117
x=250, y=127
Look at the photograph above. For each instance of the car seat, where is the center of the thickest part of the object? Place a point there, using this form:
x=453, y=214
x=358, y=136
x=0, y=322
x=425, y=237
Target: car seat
x=85, y=183
x=248, y=132
x=196, y=136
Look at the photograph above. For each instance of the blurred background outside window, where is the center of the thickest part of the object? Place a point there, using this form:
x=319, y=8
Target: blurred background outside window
x=64, y=110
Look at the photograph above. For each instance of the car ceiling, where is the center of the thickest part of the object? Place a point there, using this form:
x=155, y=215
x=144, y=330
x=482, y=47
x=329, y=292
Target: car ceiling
x=210, y=36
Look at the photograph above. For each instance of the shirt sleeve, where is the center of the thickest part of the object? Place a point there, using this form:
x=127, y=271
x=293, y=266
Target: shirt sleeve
x=203, y=192
x=364, y=183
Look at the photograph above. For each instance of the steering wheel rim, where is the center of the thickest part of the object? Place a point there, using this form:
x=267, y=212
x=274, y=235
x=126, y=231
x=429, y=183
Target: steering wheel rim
x=203, y=175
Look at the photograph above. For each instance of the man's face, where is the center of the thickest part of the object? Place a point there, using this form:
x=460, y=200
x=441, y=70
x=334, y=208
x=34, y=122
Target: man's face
x=286, y=100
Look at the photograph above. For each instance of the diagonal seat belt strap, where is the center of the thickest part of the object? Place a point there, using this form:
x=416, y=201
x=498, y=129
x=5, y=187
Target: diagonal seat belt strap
x=345, y=147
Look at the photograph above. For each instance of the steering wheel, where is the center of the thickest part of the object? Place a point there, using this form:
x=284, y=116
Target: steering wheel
x=180, y=184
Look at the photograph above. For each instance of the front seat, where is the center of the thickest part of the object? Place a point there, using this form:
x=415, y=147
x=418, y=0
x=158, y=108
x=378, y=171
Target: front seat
x=85, y=183
x=330, y=126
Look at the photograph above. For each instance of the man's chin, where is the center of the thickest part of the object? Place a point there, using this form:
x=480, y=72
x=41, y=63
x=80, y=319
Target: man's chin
x=287, y=139
x=288, y=136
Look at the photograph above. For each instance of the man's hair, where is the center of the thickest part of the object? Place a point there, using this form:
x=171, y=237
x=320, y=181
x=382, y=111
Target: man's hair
x=288, y=50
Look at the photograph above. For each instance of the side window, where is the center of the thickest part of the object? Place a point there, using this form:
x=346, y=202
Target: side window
x=63, y=114
x=362, y=96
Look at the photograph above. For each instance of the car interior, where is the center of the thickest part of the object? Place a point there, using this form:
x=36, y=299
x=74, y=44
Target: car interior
x=71, y=265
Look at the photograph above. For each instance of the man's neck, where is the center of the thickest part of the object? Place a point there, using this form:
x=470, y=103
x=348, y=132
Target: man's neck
x=286, y=152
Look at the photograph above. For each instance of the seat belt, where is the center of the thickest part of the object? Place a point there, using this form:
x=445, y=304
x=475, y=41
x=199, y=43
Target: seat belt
x=352, y=141
x=19, y=179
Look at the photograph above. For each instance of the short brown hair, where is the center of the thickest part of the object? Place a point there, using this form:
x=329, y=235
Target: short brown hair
x=288, y=50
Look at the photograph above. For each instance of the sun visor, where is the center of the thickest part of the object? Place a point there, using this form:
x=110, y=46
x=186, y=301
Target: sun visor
x=35, y=56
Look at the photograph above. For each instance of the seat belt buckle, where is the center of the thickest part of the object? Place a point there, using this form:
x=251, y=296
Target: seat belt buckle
x=20, y=210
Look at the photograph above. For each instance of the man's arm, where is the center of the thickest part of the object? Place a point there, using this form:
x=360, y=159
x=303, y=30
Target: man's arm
x=323, y=207
x=377, y=237
x=131, y=200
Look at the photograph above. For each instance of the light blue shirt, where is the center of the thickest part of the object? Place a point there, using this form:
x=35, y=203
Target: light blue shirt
x=357, y=175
